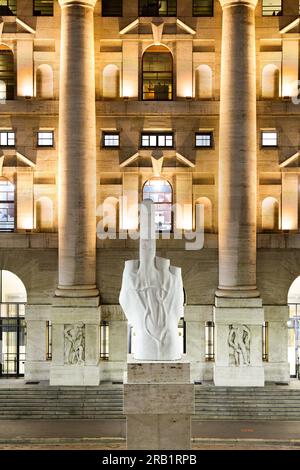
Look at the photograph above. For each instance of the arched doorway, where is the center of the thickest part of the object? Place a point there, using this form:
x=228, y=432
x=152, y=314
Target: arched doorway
x=294, y=328
x=160, y=192
x=12, y=325
x=7, y=73
x=157, y=68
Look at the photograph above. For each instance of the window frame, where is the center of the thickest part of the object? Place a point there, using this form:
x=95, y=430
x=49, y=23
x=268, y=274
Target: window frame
x=162, y=203
x=7, y=5
x=38, y=141
x=110, y=133
x=34, y=11
x=262, y=132
x=203, y=133
x=8, y=132
x=157, y=135
x=112, y=16
x=203, y=16
x=171, y=95
x=271, y=16
x=156, y=16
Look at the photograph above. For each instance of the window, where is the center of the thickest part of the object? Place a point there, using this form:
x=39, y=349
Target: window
x=45, y=139
x=104, y=341
x=7, y=139
x=112, y=8
x=8, y=7
x=48, y=341
x=7, y=73
x=204, y=139
x=157, y=140
x=209, y=341
x=111, y=140
x=265, y=342
x=43, y=8
x=272, y=7
x=203, y=8
x=157, y=74
x=269, y=139
x=7, y=206
x=157, y=7
x=159, y=191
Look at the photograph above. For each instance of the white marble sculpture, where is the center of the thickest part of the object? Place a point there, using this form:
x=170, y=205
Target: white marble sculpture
x=74, y=343
x=152, y=297
x=239, y=342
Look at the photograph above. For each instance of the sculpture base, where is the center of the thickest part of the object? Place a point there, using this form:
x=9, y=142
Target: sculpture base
x=158, y=402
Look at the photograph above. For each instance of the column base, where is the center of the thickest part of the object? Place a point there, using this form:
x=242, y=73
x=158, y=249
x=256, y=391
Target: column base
x=241, y=292
x=77, y=291
x=158, y=402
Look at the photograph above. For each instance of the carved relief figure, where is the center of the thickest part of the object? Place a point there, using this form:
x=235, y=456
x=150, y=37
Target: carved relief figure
x=152, y=297
x=74, y=343
x=239, y=343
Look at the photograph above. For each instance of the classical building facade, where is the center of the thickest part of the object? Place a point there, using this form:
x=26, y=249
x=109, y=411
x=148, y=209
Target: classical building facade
x=192, y=103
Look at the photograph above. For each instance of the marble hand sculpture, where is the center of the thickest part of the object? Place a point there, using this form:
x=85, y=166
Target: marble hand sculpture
x=152, y=297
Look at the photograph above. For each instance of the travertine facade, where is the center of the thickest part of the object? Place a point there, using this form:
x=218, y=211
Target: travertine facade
x=80, y=75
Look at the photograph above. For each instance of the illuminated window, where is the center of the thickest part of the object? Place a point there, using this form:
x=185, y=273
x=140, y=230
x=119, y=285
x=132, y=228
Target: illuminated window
x=157, y=74
x=160, y=192
x=7, y=206
x=112, y=8
x=43, y=7
x=45, y=139
x=209, y=341
x=104, y=341
x=48, y=341
x=269, y=139
x=7, y=73
x=8, y=7
x=157, y=140
x=265, y=342
x=111, y=139
x=7, y=139
x=157, y=7
x=203, y=139
x=271, y=7
x=203, y=8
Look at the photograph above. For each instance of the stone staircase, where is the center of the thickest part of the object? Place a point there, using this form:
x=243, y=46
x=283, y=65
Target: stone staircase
x=252, y=403
x=106, y=402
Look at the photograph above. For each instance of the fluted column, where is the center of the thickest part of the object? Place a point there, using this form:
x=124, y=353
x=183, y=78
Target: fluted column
x=77, y=151
x=237, y=159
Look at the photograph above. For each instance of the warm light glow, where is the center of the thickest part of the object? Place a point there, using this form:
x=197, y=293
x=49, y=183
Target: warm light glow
x=25, y=222
x=27, y=89
x=288, y=223
x=128, y=90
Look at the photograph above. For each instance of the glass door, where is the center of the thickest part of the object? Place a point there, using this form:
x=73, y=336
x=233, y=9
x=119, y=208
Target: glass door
x=12, y=340
x=294, y=340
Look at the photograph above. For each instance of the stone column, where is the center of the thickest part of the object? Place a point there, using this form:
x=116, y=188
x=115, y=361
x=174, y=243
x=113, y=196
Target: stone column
x=238, y=312
x=237, y=162
x=77, y=151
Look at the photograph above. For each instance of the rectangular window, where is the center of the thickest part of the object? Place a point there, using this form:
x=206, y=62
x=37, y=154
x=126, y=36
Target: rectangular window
x=160, y=140
x=203, y=139
x=203, y=8
x=269, y=139
x=157, y=7
x=271, y=7
x=8, y=7
x=45, y=139
x=112, y=8
x=49, y=341
x=111, y=140
x=209, y=341
x=43, y=8
x=104, y=341
x=7, y=139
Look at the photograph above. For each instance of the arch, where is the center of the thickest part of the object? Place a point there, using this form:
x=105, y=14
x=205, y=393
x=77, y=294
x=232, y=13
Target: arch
x=2, y=90
x=160, y=191
x=206, y=202
x=44, y=214
x=111, y=81
x=7, y=205
x=204, y=82
x=44, y=81
x=270, y=81
x=7, y=72
x=12, y=288
x=111, y=214
x=157, y=74
x=270, y=214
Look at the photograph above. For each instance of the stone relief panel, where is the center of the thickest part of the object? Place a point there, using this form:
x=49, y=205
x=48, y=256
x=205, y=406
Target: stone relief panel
x=239, y=339
x=74, y=345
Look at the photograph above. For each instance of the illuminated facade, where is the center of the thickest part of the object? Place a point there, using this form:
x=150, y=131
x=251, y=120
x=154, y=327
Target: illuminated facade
x=106, y=101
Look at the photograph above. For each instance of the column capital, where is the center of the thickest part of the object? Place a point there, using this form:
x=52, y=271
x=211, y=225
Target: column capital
x=234, y=3
x=85, y=3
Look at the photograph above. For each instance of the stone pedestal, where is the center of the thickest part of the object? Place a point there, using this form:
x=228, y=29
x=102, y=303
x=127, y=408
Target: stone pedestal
x=75, y=343
x=158, y=402
x=238, y=342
